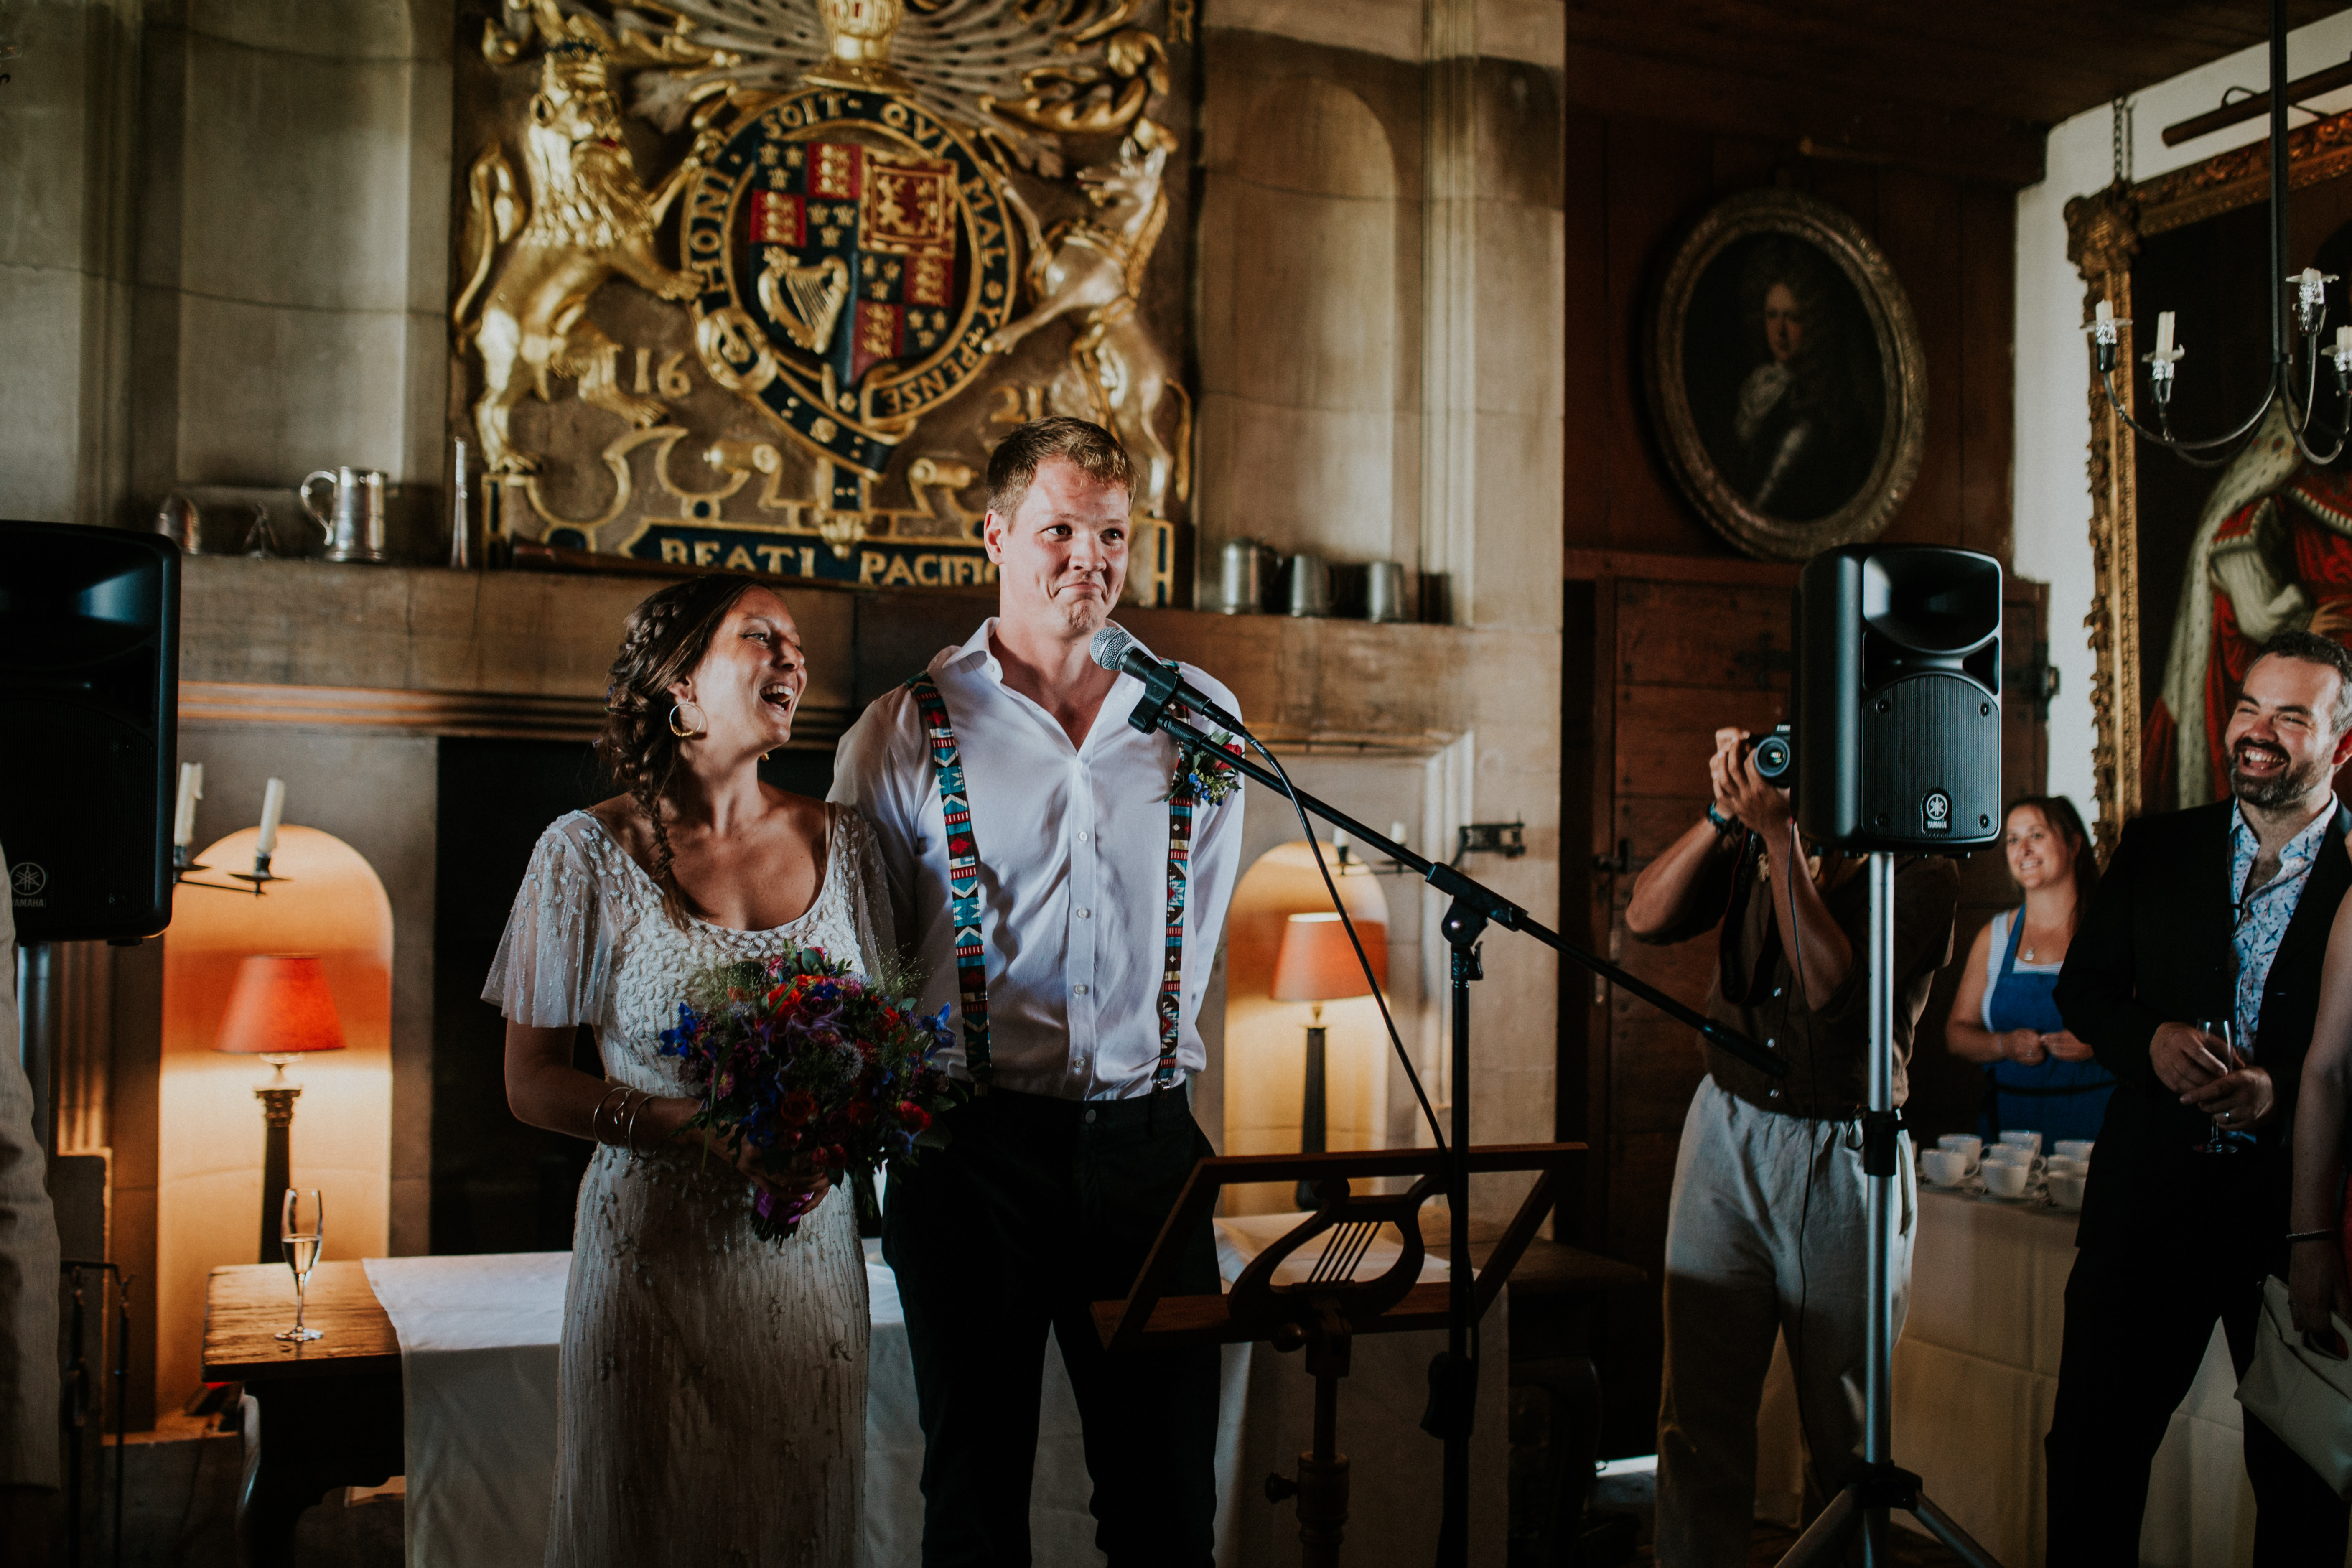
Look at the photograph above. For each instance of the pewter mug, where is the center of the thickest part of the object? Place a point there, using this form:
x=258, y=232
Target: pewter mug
x=354, y=520
x=1384, y=591
x=1241, y=589
x=1310, y=585
x=179, y=521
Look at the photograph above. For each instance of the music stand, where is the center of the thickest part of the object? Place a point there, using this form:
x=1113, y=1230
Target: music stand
x=1324, y=1312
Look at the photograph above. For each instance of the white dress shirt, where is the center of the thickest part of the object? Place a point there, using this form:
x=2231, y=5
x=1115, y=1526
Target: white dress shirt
x=1072, y=847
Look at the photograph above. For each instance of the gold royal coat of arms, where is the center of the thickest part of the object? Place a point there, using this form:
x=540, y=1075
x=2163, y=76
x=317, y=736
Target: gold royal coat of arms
x=877, y=217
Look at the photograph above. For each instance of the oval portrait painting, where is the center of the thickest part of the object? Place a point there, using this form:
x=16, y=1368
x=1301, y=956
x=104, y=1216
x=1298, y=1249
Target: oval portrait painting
x=1786, y=378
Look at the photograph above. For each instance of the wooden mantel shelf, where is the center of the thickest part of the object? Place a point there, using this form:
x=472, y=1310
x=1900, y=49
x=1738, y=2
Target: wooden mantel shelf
x=430, y=650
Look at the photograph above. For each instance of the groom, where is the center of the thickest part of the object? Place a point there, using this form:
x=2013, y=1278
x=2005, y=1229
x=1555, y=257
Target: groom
x=1008, y=768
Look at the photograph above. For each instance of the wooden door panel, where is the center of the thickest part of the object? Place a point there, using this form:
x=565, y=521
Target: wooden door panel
x=1649, y=824
x=1656, y=1064
x=1703, y=634
x=1665, y=733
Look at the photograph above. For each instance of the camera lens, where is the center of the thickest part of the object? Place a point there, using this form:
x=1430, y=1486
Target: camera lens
x=1773, y=756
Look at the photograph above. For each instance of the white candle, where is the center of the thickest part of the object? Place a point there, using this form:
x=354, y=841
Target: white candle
x=2344, y=344
x=273, y=808
x=2164, y=335
x=2106, y=314
x=184, y=814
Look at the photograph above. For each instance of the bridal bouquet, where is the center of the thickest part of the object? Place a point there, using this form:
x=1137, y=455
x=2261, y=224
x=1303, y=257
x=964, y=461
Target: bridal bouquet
x=807, y=1062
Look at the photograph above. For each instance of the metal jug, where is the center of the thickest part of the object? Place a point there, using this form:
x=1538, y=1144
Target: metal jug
x=1241, y=577
x=354, y=521
x=1310, y=585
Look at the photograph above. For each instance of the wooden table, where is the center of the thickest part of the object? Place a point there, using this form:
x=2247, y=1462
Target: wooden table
x=331, y=1409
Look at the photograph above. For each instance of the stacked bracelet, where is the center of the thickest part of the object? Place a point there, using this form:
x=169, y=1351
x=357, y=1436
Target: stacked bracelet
x=598, y=1114
x=2294, y=1236
x=1724, y=826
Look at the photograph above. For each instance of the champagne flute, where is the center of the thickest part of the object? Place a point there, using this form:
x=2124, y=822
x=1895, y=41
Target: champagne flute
x=303, y=1228
x=2218, y=1142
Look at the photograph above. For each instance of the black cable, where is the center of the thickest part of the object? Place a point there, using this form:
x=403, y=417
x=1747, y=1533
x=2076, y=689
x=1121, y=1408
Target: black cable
x=1395, y=1040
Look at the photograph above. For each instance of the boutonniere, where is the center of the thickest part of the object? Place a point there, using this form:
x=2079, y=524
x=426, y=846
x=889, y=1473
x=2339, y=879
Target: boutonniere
x=1202, y=772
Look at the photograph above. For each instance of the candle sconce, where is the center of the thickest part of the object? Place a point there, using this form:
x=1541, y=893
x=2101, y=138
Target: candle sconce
x=183, y=829
x=183, y=863
x=1348, y=866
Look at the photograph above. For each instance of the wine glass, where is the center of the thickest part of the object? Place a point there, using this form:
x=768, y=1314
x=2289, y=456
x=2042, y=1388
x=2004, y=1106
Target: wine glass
x=303, y=1229
x=2217, y=1141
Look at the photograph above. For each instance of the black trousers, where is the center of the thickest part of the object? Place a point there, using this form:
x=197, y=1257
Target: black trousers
x=2137, y=1328
x=1037, y=1209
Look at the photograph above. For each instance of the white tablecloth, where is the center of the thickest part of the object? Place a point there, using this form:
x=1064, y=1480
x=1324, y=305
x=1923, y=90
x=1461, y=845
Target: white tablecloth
x=479, y=1350
x=1976, y=1377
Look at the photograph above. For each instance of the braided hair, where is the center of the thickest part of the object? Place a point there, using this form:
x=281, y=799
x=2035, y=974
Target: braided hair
x=666, y=639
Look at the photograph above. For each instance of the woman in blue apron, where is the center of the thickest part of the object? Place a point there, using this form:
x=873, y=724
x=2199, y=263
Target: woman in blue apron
x=2038, y=1077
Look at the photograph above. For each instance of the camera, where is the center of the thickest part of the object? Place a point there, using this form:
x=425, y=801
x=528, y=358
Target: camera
x=1776, y=755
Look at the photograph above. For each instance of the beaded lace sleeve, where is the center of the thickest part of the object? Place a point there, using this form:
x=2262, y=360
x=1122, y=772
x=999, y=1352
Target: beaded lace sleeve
x=870, y=895
x=555, y=962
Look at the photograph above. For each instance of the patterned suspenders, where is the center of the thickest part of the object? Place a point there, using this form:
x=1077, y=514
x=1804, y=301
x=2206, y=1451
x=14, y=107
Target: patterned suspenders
x=963, y=894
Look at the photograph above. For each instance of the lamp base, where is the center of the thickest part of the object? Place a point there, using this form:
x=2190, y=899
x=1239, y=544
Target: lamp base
x=277, y=1163
x=1313, y=1129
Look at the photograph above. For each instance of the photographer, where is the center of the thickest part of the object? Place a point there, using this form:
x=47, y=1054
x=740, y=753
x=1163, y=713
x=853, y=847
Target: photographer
x=1765, y=1235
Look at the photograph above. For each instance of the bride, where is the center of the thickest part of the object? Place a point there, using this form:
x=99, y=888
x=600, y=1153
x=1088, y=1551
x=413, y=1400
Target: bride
x=713, y=1385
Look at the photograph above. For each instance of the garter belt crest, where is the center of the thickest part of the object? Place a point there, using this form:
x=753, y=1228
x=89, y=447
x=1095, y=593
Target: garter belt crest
x=882, y=266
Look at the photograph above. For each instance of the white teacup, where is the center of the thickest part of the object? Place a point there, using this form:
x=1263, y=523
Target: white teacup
x=2005, y=1178
x=2073, y=1149
x=1962, y=1143
x=1945, y=1167
x=2058, y=1166
x=2066, y=1188
x=2029, y=1142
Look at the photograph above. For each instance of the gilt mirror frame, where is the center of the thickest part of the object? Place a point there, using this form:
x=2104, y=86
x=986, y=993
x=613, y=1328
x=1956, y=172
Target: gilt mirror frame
x=2105, y=231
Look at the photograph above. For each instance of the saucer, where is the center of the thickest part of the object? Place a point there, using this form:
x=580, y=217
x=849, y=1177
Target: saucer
x=2034, y=1192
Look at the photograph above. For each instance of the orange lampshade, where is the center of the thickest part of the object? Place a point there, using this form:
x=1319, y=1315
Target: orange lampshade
x=1317, y=963
x=279, y=1006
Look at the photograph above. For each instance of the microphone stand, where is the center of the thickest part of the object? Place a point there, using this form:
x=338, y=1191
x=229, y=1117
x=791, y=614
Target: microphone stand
x=1452, y=1377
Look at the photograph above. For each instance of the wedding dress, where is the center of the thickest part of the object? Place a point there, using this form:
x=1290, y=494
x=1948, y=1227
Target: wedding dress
x=713, y=1385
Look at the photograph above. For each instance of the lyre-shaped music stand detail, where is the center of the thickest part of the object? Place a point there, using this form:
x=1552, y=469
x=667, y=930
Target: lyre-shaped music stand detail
x=1322, y=1312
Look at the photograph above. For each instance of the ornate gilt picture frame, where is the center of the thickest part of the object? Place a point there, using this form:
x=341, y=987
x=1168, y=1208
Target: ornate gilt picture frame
x=1787, y=377
x=2141, y=759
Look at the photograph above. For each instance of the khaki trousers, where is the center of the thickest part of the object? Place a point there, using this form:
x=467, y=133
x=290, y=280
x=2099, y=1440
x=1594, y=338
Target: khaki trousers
x=1765, y=1237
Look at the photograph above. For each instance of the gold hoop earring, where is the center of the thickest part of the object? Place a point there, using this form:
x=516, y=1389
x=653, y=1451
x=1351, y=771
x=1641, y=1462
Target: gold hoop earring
x=695, y=733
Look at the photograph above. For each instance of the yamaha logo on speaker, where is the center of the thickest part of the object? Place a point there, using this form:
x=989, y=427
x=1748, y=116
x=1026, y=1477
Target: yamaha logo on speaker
x=26, y=880
x=1935, y=812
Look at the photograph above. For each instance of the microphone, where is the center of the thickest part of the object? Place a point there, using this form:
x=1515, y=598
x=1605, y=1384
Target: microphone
x=1115, y=648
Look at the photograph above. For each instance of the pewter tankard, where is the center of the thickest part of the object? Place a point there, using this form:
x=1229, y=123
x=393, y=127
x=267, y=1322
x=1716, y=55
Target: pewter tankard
x=354, y=521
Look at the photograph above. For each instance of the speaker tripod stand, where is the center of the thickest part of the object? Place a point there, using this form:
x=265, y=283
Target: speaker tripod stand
x=1868, y=1503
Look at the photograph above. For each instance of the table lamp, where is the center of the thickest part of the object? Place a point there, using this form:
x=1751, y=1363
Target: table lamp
x=1317, y=964
x=279, y=1008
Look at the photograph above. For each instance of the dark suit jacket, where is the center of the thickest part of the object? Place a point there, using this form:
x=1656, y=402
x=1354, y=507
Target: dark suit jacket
x=2154, y=948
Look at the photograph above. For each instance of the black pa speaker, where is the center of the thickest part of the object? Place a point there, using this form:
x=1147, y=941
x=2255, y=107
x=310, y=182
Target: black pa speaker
x=1896, y=701
x=89, y=699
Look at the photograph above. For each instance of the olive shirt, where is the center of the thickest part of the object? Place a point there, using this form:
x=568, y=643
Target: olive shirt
x=1756, y=992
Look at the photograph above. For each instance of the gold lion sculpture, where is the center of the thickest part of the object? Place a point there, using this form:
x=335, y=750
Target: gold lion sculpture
x=1093, y=269
x=590, y=217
